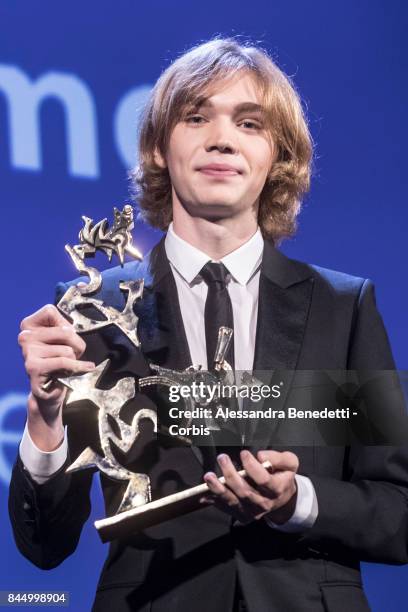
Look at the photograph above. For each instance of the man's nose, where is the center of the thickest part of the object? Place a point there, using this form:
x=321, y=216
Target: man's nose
x=221, y=138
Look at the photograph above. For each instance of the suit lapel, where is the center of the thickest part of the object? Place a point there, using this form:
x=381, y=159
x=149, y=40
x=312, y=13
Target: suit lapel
x=282, y=314
x=285, y=291
x=161, y=329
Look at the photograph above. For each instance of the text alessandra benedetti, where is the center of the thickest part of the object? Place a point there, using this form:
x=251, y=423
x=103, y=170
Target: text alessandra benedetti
x=290, y=413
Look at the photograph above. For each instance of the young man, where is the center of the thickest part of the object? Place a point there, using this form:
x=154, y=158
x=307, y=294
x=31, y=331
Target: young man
x=225, y=158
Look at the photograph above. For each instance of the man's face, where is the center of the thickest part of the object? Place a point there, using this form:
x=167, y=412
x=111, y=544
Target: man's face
x=220, y=154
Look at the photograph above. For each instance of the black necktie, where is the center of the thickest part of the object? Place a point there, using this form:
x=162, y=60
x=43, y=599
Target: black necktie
x=218, y=310
x=218, y=313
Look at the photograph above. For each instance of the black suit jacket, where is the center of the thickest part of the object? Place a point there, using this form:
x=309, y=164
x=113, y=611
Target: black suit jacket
x=309, y=318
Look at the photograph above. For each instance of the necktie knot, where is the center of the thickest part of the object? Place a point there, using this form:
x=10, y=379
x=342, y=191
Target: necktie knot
x=214, y=272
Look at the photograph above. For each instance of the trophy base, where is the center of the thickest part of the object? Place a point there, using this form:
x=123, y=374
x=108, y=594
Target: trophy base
x=158, y=511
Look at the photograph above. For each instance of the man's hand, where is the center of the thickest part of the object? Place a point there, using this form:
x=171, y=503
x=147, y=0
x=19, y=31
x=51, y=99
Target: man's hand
x=264, y=492
x=50, y=348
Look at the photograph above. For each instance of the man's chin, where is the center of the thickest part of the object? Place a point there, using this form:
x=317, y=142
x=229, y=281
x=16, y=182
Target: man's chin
x=213, y=210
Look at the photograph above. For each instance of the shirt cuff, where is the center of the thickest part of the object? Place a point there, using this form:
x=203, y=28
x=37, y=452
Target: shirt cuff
x=41, y=465
x=306, y=510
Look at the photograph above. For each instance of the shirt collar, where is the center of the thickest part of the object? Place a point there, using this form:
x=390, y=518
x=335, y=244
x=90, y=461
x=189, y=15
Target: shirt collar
x=188, y=260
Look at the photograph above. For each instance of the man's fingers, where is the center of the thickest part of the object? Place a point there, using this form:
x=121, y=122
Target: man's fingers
x=224, y=499
x=260, y=488
x=220, y=490
x=49, y=350
x=280, y=460
x=248, y=497
x=233, y=480
x=268, y=486
x=57, y=366
x=256, y=472
x=47, y=316
x=53, y=335
x=56, y=393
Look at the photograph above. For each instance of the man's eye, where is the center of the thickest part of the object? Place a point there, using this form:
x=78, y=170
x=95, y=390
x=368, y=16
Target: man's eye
x=251, y=125
x=194, y=119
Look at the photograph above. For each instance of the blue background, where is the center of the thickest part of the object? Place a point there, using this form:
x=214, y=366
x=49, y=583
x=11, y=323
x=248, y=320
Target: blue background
x=349, y=62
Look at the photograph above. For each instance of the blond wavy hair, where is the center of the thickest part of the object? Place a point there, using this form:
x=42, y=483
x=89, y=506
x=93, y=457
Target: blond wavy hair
x=180, y=86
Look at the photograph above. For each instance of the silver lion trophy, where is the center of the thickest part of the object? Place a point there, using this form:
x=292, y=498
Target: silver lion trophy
x=136, y=510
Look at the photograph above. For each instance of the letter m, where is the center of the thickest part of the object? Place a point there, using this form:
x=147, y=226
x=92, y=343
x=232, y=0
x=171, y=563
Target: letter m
x=24, y=98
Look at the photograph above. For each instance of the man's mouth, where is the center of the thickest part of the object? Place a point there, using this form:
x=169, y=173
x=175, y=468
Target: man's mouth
x=219, y=170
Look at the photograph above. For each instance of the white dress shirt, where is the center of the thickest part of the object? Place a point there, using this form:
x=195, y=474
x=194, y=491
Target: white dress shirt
x=186, y=261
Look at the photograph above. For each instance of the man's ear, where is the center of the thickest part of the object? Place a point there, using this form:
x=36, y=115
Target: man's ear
x=158, y=158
